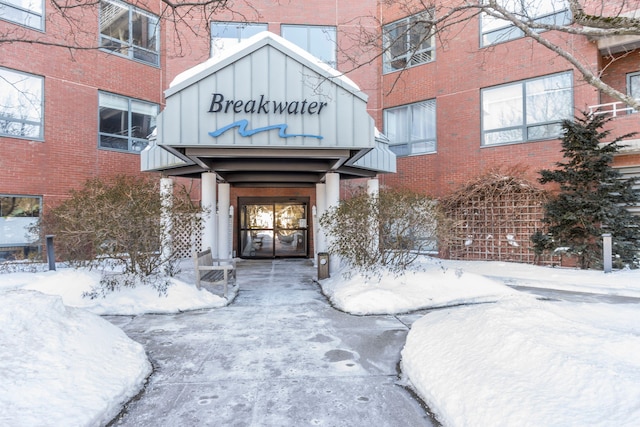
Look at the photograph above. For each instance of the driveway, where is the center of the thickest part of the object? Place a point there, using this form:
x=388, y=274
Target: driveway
x=279, y=355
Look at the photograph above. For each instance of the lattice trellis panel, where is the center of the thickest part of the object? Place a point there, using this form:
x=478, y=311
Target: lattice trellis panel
x=494, y=220
x=187, y=235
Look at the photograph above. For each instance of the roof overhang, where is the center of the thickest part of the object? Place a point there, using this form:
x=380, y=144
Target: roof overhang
x=267, y=113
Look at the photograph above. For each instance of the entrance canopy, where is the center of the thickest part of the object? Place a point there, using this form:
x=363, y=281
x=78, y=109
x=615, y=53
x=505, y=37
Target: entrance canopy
x=266, y=114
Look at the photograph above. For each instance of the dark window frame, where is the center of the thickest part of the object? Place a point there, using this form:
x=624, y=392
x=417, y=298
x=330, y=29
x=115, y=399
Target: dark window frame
x=509, y=32
x=129, y=48
x=410, y=55
x=525, y=127
x=406, y=148
x=112, y=140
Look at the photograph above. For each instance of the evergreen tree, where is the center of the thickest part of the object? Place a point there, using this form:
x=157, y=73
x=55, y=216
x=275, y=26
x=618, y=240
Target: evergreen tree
x=592, y=199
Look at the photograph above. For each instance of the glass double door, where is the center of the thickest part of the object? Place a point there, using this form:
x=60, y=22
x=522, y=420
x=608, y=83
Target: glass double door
x=270, y=229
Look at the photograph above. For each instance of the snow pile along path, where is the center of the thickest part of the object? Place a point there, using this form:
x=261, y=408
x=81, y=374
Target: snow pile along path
x=528, y=363
x=433, y=286
x=61, y=365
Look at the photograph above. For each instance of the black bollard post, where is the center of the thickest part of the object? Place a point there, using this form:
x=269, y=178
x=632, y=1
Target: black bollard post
x=51, y=257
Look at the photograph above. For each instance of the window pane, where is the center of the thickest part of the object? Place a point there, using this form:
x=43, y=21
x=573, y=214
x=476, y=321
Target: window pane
x=544, y=131
x=546, y=103
x=423, y=121
x=322, y=44
x=13, y=206
x=504, y=136
x=296, y=34
x=496, y=30
x=117, y=143
x=411, y=129
x=30, y=5
x=142, y=124
x=227, y=34
x=502, y=35
x=18, y=214
x=396, y=125
x=502, y=107
x=114, y=21
x=419, y=36
x=114, y=121
x=634, y=86
x=23, y=12
x=129, y=31
x=20, y=104
x=125, y=124
x=318, y=41
x=400, y=149
x=113, y=101
x=408, y=42
x=395, y=46
x=549, y=99
x=144, y=28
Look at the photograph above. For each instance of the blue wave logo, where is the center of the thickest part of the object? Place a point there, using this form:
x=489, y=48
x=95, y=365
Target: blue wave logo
x=243, y=131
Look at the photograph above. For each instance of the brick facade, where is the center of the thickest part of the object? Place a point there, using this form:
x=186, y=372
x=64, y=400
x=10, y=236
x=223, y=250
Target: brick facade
x=69, y=154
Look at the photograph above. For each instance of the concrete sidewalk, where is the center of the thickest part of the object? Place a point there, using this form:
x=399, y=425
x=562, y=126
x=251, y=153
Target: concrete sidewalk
x=279, y=355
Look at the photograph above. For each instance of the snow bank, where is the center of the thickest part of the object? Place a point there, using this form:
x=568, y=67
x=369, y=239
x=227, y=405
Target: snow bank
x=61, y=365
x=434, y=287
x=71, y=283
x=528, y=363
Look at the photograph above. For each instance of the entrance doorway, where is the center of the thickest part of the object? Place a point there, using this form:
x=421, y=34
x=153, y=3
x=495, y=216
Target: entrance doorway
x=273, y=228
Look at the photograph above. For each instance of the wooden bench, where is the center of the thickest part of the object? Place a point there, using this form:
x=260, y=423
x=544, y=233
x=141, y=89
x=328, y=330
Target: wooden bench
x=213, y=270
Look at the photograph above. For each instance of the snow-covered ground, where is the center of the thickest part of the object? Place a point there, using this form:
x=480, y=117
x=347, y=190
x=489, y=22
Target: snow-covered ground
x=506, y=359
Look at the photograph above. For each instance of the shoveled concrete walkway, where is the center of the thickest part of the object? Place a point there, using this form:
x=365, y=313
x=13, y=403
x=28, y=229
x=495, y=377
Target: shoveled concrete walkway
x=278, y=356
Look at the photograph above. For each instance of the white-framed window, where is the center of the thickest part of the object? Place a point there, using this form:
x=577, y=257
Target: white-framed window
x=125, y=123
x=495, y=30
x=227, y=34
x=320, y=41
x=408, y=42
x=24, y=12
x=21, y=104
x=129, y=31
x=411, y=129
x=527, y=110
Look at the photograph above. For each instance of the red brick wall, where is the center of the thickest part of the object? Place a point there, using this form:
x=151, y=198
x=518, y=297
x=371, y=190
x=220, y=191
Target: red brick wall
x=455, y=79
x=69, y=153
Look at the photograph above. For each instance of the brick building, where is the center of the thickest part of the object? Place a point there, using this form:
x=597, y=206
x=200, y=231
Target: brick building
x=479, y=98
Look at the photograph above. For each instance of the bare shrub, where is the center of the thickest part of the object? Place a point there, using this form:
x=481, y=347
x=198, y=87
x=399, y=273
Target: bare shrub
x=388, y=231
x=116, y=223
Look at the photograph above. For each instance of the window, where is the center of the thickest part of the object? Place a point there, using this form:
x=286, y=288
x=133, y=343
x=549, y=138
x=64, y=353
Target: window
x=408, y=42
x=18, y=217
x=125, y=123
x=318, y=41
x=129, y=31
x=633, y=85
x=20, y=104
x=411, y=129
x=23, y=12
x=495, y=30
x=227, y=34
x=528, y=110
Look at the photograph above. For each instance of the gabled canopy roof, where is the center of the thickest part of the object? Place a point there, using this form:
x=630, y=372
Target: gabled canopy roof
x=266, y=113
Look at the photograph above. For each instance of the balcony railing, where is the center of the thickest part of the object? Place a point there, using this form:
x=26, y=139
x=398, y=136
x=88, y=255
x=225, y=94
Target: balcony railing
x=611, y=109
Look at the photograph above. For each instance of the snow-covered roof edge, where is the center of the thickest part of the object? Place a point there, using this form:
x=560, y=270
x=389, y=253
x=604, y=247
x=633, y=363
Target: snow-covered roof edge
x=246, y=47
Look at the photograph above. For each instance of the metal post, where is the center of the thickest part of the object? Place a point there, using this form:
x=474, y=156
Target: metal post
x=606, y=252
x=51, y=256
